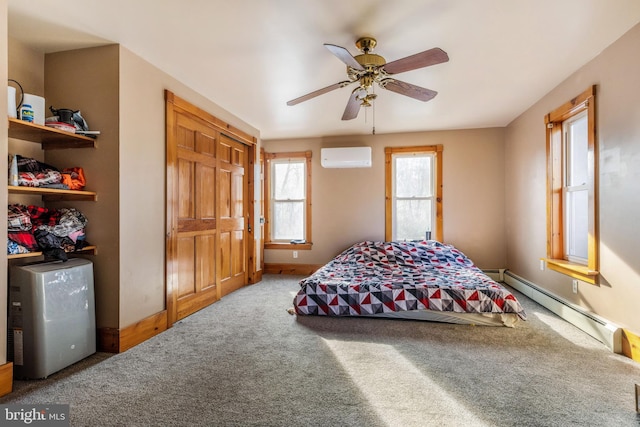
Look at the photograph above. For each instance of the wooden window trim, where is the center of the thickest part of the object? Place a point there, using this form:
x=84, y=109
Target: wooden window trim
x=555, y=240
x=269, y=244
x=290, y=246
x=437, y=151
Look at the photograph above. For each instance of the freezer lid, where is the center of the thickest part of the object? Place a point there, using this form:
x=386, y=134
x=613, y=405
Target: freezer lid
x=44, y=267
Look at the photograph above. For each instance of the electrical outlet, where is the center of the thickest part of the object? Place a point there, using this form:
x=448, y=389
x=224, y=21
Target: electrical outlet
x=575, y=286
x=542, y=264
x=295, y=254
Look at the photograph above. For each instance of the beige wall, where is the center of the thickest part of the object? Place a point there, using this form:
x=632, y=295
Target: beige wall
x=26, y=66
x=87, y=80
x=615, y=71
x=142, y=181
x=348, y=204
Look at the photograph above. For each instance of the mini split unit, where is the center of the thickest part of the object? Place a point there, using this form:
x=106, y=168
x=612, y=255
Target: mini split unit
x=346, y=157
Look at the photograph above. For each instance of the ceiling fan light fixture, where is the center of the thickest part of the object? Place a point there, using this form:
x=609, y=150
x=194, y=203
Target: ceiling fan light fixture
x=367, y=101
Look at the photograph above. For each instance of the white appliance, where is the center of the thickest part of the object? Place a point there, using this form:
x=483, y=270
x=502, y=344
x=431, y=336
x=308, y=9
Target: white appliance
x=37, y=103
x=12, y=109
x=346, y=157
x=51, y=316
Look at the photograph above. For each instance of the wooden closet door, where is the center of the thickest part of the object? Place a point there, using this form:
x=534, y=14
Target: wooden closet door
x=195, y=212
x=232, y=214
x=209, y=243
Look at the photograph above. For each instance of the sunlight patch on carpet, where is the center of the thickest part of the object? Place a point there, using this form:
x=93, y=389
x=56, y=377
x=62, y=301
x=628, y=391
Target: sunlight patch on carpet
x=399, y=393
x=568, y=331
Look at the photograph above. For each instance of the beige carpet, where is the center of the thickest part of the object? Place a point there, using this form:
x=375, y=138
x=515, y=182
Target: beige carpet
x=245, y=361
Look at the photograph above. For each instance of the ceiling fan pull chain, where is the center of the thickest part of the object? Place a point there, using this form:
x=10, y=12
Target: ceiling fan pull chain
x=373, y=112
x=366, y=115
x=373, y=128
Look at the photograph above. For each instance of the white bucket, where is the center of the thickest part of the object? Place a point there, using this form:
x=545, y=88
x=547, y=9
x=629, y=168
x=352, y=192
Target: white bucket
x=11, y=105
x=37, y=103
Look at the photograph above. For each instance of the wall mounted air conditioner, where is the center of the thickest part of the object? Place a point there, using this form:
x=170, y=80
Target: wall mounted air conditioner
x=346, y=157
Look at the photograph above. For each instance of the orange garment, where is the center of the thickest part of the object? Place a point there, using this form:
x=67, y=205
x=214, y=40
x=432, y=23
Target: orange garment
x=74, y=178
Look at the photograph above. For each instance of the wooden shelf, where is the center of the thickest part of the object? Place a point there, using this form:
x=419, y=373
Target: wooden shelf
x=88, y=250
x=54, y=194
x=49, y=138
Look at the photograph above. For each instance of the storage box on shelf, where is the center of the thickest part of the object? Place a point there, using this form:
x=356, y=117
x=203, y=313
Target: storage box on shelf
x=50, y=139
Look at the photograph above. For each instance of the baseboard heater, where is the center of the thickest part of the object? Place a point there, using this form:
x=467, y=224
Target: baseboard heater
x=601, y=329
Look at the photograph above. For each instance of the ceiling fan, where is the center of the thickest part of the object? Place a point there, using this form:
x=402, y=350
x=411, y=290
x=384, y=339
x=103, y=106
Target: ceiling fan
x=369, y=68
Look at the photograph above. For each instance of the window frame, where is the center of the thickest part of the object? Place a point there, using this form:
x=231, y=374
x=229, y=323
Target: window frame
x=556, y=162
x=297, y=156
x=437, y=152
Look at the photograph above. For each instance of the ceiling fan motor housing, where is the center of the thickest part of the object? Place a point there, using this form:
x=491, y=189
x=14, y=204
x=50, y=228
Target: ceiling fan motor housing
x=370, y=60
x=371, y=64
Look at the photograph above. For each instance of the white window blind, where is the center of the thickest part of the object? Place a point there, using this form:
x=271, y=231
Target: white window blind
x=413, y=195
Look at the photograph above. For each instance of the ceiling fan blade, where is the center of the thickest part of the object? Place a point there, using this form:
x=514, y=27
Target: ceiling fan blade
x=318, y=92
x=408, y=89
x=353, y=106
x=419, y=60
x=343, y=55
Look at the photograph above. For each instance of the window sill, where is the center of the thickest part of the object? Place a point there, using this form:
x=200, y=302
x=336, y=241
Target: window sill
x=572, y=269
x=289, y=246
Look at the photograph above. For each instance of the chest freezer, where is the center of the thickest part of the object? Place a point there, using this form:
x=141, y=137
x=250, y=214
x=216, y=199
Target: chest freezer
x=51, y=316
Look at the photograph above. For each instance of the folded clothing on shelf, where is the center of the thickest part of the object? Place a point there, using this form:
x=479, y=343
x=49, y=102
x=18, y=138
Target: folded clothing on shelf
x=73, y=178
x=61, y=126
x=52, y=231
x=33, y=173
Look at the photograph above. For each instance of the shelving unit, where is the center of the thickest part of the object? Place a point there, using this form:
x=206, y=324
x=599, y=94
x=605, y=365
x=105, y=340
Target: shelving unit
x=50, y=139
x=54, y=194
x=87, y=250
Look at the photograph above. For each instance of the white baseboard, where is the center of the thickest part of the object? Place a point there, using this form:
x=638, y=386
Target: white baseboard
x=601, y=329
x=496, y=274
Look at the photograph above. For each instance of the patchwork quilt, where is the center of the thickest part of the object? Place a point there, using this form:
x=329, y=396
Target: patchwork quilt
x=382, y=277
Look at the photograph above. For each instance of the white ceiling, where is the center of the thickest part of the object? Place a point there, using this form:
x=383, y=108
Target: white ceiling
x=252, y=56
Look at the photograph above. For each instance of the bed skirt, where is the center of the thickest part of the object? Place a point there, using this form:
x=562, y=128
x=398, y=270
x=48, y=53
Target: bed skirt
x=480, y=319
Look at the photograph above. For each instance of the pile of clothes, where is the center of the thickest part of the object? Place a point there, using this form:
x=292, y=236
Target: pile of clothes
x=52, y=231
x=32, y=173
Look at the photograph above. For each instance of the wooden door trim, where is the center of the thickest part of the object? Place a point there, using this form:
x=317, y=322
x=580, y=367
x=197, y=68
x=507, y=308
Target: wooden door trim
x=171, y=270
x=250, y=215
x=199, y=113
x=6, y=378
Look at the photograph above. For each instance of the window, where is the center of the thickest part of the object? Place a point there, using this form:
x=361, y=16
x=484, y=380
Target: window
x=288, y=188
x=576, y=191
x=572, y=243
x=413, y=193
